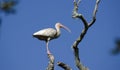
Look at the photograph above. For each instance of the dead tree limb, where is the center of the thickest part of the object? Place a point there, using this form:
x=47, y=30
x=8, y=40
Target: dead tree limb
x=64, y=66
x=94, y=13
x=51, y=62
x=79, y=65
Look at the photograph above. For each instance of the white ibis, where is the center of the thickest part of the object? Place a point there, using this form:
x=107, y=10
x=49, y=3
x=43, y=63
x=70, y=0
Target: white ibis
x=49, y=34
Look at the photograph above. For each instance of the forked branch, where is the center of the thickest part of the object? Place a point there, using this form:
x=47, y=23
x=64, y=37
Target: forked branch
x=75, y=14
x=79, y=65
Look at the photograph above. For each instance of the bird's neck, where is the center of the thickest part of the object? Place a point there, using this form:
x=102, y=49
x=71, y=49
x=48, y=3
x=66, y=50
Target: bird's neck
x=58, y=31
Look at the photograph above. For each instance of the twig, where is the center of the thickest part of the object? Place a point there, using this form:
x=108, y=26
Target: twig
x=78, y=2
x=64, y=66
x=51, y=62
x=83, y=33
x=94, y=13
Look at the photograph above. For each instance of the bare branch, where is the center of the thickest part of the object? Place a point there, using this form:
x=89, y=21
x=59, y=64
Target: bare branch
x=78, y=2
x=51, y=62
x=74, y=0
x=77, y=15
x=83, y=33
x=76, y=50
x=77, y=59
x=94, y=13
x=64, y=66
x=79, y=39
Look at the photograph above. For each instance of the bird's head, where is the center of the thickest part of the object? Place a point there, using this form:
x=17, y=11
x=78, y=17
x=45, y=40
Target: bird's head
x=59, y=25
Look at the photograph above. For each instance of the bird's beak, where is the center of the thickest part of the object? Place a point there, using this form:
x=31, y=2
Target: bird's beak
x=66, y=28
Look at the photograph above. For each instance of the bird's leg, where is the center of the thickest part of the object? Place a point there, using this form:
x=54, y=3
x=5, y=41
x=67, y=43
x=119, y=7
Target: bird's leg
x=48, y=52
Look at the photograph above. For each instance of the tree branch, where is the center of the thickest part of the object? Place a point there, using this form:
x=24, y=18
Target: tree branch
x=77, y=59
x=51, y=62
x=94, y=13
x=64, y=66
x=83, y=33
x=77, y=15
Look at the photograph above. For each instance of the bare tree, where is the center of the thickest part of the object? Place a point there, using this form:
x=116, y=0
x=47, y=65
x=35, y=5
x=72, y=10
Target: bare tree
x=87, y=25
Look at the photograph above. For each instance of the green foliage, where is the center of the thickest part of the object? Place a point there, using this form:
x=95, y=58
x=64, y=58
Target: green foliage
x=8, y=6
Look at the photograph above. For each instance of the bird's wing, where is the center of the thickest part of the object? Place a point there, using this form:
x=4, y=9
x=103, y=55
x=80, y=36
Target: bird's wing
x=48, y=32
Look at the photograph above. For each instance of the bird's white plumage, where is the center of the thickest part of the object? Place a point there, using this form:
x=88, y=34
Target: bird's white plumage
x=46, y=32
x=49, y=34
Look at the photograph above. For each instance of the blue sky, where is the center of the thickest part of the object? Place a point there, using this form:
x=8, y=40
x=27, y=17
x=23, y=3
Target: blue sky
x=20, y=51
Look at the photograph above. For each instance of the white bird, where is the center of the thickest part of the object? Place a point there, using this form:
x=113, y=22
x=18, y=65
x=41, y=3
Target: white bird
x=49, y=34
